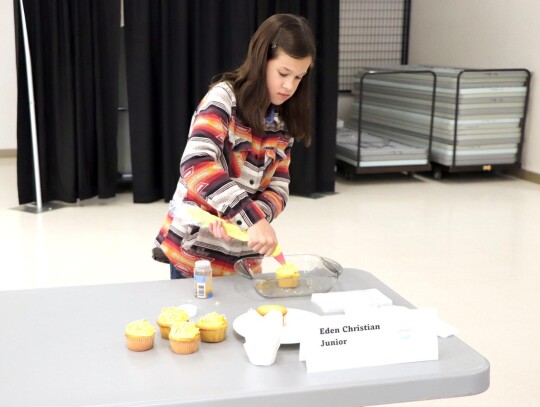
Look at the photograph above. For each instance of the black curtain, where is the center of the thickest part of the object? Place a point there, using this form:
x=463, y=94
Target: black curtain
x=74, y=48
x=174, y=48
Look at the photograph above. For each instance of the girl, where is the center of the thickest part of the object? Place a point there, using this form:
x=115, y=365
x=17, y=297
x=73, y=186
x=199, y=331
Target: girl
x=236, y=161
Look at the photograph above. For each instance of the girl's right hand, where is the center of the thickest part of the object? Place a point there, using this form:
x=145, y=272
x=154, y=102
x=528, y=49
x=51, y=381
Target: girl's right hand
x=262, y=238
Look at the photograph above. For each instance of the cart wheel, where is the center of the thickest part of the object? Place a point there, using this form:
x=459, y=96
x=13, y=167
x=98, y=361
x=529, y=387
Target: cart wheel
x=437, y=173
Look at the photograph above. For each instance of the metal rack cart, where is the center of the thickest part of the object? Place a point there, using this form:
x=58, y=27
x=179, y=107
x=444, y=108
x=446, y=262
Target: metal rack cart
x=391, y=124
x=479, y=119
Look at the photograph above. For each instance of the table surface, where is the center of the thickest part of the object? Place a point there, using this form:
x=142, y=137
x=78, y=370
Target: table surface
x=66, y=347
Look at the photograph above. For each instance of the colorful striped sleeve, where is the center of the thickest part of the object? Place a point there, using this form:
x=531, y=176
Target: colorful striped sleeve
x=274, y=198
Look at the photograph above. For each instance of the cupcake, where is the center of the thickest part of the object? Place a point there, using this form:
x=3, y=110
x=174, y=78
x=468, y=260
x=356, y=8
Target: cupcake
x=213, y=327
x=184, y=338
x=140, y=335
x=287, y=275
x=265, y=309
x=169, y=316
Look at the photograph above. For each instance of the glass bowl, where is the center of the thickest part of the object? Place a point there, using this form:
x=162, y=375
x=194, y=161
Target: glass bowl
x=317, y=275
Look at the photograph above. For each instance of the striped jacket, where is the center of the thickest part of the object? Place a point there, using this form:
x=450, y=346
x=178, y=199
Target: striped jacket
x=230, y=172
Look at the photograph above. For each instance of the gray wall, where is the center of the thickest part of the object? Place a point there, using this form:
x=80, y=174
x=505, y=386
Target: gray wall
x=8, y=78
x=483, y=34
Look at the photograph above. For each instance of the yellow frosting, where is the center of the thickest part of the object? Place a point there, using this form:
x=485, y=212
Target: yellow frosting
x=140, y=327
x=183, y=330
x=170, y=315
x=265, y=309
x=212, y=320
x=287, y=270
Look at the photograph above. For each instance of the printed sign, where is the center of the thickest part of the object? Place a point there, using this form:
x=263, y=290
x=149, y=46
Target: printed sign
x=372, y=338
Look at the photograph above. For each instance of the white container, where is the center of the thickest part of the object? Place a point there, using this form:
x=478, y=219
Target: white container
x=264, y=338
x=202, y=276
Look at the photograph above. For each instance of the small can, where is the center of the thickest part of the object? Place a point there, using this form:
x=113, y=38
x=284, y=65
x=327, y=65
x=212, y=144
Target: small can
x=202, y=275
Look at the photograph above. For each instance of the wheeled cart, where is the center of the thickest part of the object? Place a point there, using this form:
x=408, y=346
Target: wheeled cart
x=479, y=118
x=390, y=125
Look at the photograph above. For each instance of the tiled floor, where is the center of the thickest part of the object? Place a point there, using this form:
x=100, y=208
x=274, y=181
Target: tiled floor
x=468, y=245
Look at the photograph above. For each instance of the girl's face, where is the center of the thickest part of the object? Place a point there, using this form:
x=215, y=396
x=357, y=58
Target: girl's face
x=283, y=75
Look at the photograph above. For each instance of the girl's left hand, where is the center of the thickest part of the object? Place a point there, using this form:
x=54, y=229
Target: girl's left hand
x=217, y=229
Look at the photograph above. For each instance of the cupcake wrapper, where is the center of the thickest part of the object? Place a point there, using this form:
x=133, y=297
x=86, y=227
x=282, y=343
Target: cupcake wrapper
x=214, y=335
x=140, y=344
x=185, y=347
x=165, y=331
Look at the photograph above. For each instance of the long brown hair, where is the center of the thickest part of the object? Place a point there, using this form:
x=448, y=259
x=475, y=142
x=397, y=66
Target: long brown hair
x=292, y=35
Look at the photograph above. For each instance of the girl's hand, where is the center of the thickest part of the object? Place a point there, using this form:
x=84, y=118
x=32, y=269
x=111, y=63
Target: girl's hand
x=262, y=238
x=217, y=229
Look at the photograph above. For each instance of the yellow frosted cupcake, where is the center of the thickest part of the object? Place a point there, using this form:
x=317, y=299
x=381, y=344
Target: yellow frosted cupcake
x=265, y=309
x=140, y=335
x=169, y=316
x=287, y=275
x=213, y=327
x=184, y=338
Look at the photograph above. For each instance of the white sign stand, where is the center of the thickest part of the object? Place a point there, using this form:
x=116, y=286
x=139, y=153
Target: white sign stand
x=373, y=338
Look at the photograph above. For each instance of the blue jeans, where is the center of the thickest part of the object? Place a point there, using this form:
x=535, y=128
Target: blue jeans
x=175, y=274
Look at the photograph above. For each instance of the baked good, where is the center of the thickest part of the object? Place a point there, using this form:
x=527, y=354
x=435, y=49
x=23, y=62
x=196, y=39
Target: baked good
x=169, y=316
x=265, y=309
x=287, y=275
x=213, y=327
x=140, y=335
x=184, y=338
